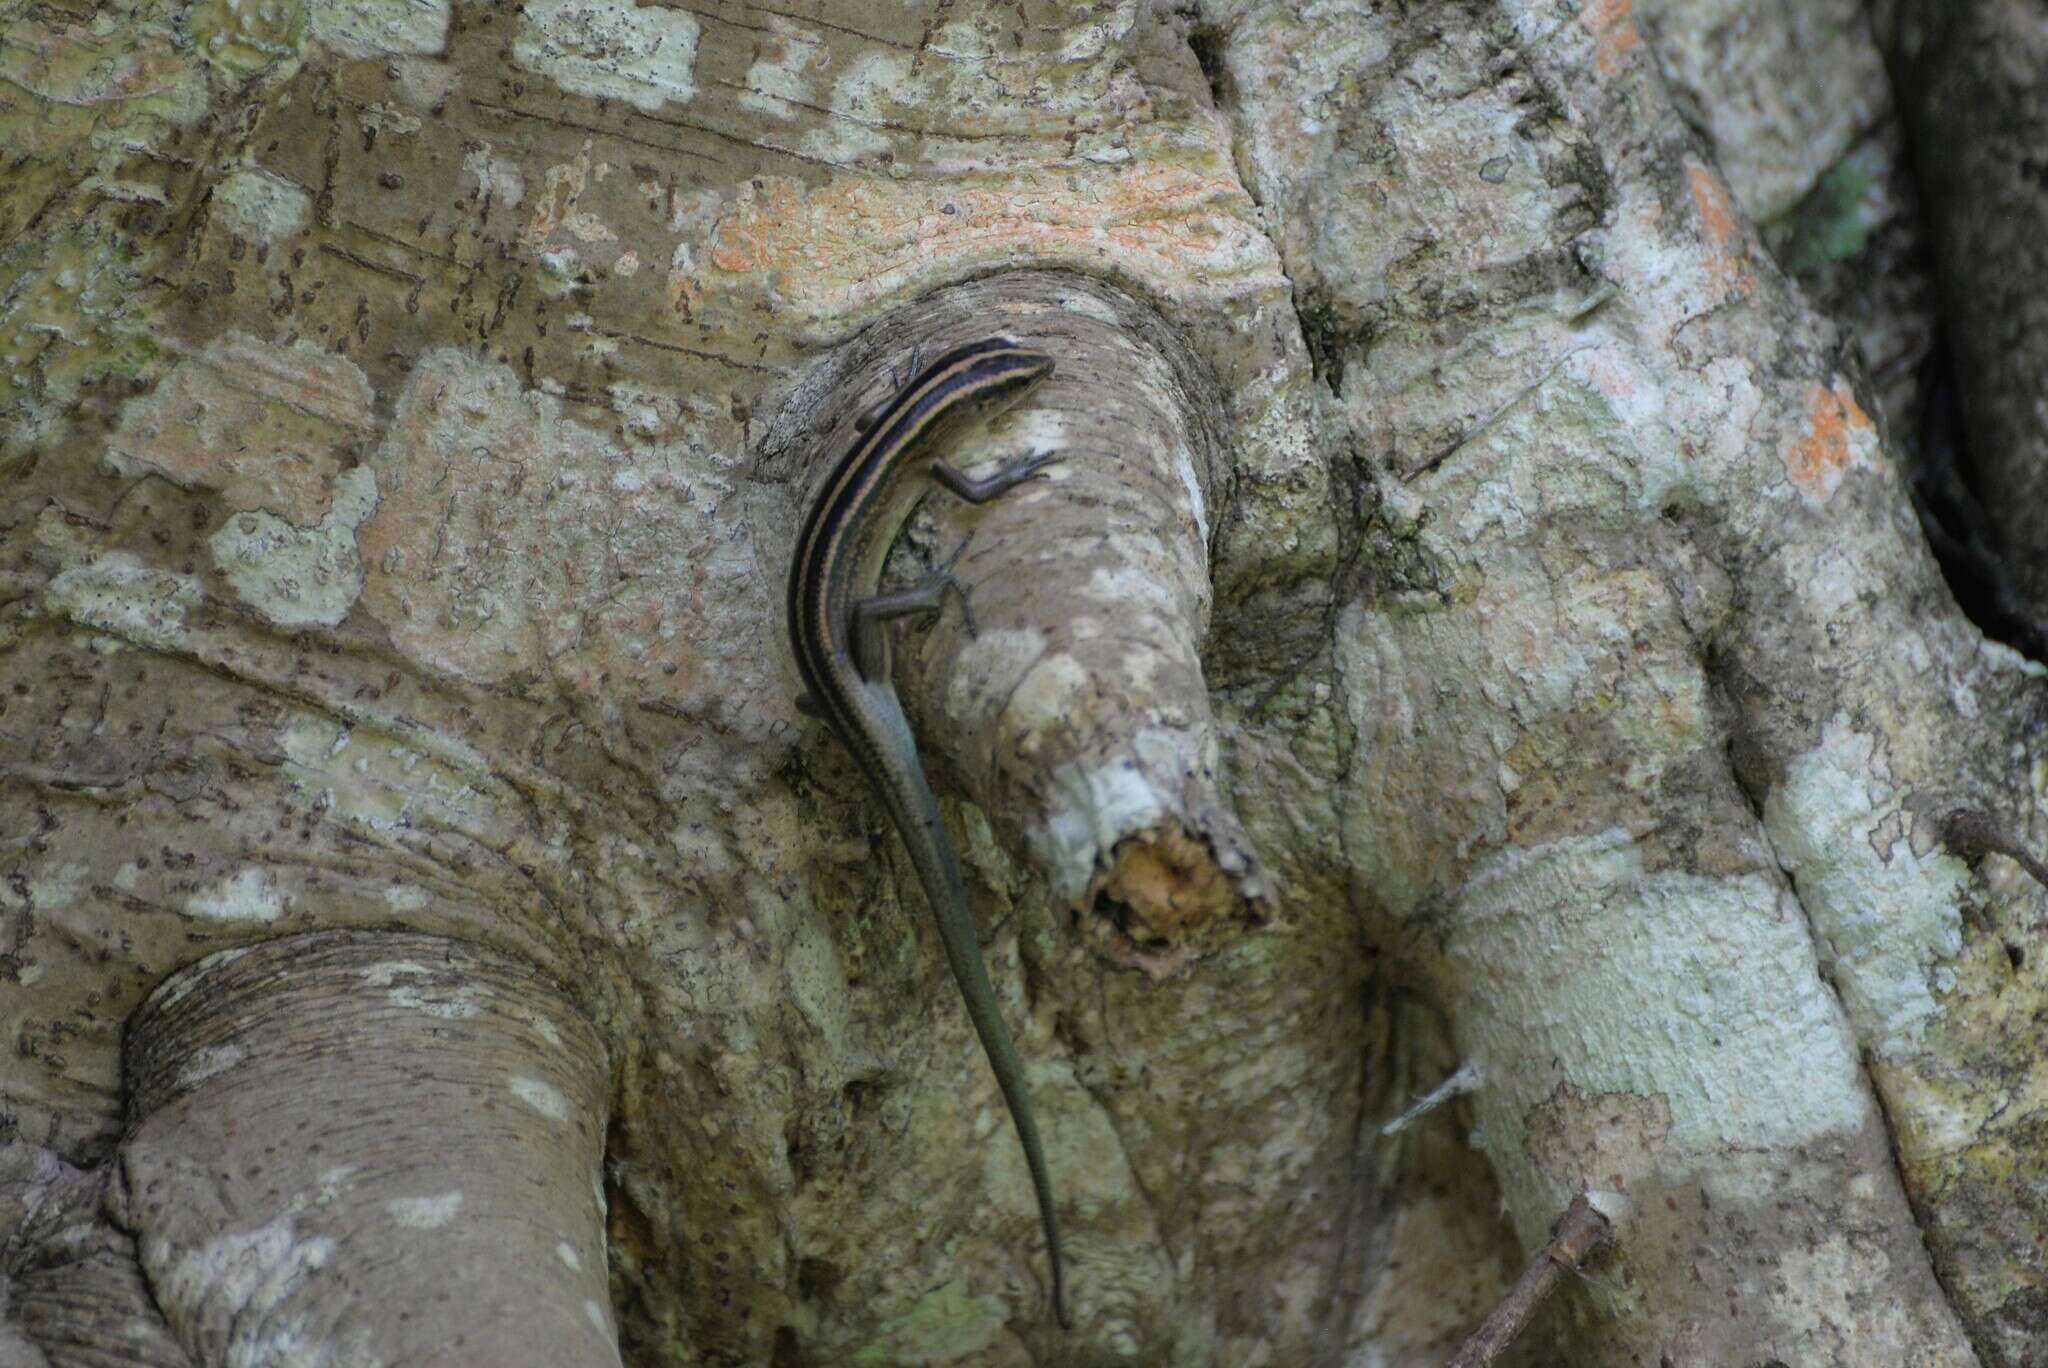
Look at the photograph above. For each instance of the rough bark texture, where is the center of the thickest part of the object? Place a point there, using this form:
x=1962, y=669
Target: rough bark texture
x=1597, y=403
x=332, y=1123
x=387, y=542
x=1066, y=697
x=1793, y=102
x=72, y=1291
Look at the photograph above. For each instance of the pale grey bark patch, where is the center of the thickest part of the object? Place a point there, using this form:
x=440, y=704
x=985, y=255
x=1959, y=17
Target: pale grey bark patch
x=380, y=28
x=300, y=576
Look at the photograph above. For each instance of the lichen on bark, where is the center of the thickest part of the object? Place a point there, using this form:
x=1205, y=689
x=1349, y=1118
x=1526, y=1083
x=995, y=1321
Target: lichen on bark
x=387, y=543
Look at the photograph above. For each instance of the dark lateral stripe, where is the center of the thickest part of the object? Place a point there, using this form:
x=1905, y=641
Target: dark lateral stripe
x=830, y=497
x=934, y=390
x=959, y=376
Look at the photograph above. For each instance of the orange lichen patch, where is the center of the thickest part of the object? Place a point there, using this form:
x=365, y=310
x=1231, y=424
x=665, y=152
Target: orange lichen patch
x=1710, y=198
x=262, y=425
x=1720, y=231
x=1835, y=435
x=1614, y=33
x=831, y=250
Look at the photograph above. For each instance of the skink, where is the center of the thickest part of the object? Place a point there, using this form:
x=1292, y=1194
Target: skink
x=838, y=628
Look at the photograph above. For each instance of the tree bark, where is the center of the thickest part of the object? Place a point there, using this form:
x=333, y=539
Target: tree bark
x=1973, y=88
x=1474, y=722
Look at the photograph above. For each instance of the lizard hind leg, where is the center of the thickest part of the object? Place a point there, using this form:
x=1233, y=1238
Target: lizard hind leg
x=873, y=614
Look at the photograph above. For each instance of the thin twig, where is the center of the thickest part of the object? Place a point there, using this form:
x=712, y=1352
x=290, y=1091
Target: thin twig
x=1578, y=1233
x=1465, y=1080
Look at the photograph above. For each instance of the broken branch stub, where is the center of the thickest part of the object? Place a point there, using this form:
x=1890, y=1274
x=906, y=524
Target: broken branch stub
x=1073, y=709
x=392, y=1123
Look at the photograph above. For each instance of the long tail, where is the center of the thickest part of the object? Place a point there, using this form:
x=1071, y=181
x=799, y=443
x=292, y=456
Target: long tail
x=916, y=812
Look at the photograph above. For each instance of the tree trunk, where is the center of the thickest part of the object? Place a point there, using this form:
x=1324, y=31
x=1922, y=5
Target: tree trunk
x=1466, y=720
x=1973, y=92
